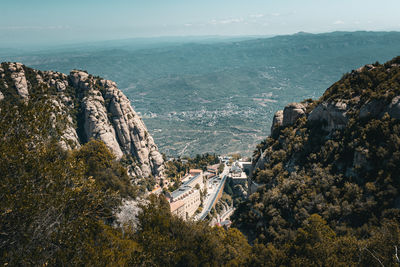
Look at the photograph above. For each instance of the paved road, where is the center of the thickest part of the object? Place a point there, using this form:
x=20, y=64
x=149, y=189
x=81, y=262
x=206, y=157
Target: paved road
x=215, y=188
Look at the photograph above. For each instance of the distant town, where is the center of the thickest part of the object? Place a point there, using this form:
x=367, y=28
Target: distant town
x=200, y=190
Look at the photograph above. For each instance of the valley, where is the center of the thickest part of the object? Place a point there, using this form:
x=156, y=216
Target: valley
x=197, y=97
x=214, y=133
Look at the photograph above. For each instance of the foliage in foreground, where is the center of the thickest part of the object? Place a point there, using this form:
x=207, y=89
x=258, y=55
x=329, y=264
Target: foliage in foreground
x=57, y=207
x=54, y=210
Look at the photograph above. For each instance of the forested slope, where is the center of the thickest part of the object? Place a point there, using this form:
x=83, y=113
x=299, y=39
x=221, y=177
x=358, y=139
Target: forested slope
x=330, y=172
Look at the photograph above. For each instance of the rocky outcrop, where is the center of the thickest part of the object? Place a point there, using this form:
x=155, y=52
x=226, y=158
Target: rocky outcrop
x=372, y=109
x=377, y=108
x=335, y=108
x=117, y=125
x=94, y=108
x=334, y=114
x=259, y=164
x=394, y=108
x=278, y=120
x=96, y=123
x=292, y=112
x=18, y=77
x=288, y=116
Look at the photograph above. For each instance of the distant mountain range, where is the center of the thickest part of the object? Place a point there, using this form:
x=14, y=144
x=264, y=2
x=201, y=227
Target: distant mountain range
x=219, y=97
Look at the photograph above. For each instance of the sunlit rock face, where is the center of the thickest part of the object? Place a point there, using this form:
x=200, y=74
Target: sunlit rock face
x=94, y=108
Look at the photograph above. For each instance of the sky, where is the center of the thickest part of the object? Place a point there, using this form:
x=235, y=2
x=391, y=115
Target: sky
x=35, y=22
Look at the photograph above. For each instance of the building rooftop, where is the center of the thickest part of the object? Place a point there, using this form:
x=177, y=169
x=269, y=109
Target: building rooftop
x=180, y=191
x=195, y=171
x=213, y=167
x=186, y=177
x=236, y=168
x=238, y=176
x=188, y=182
x=176, y=205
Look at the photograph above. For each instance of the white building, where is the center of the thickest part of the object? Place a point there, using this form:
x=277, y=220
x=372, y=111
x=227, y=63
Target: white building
x=186, y=199
x=237, y=173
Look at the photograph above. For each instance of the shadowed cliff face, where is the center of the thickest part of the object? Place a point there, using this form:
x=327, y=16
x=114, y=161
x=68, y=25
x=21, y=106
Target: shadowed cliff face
x=94, y=108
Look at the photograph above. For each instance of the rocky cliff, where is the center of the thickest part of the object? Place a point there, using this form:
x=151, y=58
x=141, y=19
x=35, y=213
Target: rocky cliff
x=338, y=156
x=335, y=108
x=94, y=108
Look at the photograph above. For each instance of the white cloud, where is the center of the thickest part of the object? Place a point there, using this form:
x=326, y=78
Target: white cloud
x=214, y=22
x=276, y=14
x=256, y=16
x=226, y=21
x=229, y=21
x=338, y=22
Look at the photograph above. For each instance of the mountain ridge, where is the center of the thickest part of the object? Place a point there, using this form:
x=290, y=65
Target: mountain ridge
x=94, y=108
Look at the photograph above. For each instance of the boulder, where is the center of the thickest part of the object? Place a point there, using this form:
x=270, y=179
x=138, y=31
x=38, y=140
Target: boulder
x=394, y=108
x=373, y=109
x=334, y=114
x=278, y=120
x=78, y=78
x=261, y=161
x=292, y=112
x=18, y=77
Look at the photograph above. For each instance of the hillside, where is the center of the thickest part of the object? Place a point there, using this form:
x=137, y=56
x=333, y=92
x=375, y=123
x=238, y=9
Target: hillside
x=78, y=207
x=327, y=180
x=332, y=164
x=91, y=108
x=220, y=97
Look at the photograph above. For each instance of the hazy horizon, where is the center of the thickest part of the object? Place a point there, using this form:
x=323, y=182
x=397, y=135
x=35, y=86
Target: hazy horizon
x=37, y=23
x=148, y=42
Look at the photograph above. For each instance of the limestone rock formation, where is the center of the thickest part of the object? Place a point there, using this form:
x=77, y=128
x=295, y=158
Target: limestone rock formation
x=18, y=77
x=94, y=108
x=259, y=164
x=377, y=108
x=278, y=120
x=394, y=108
x=372, y=109
x=333, y=113
x=335, y=109
x=289, y=115
x=292, y=112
